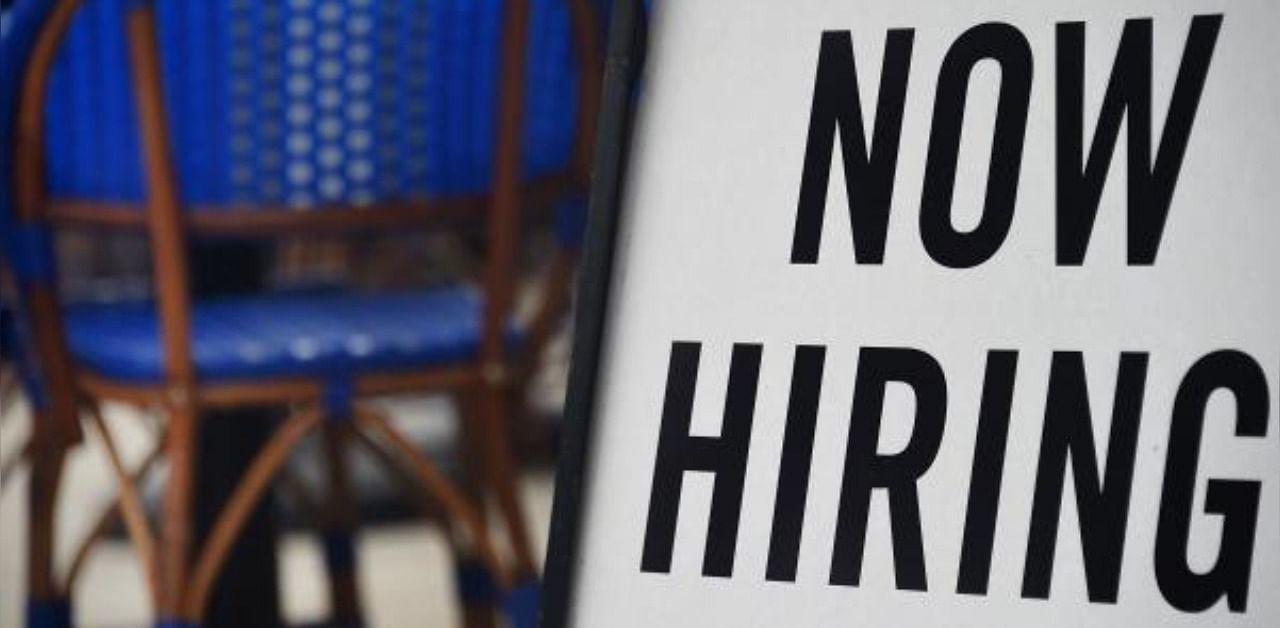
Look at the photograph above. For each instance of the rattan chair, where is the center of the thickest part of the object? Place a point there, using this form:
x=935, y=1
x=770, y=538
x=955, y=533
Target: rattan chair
x=235, y=118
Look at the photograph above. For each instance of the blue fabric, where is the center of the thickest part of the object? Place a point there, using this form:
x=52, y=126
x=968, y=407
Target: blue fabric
x=14, y=330
x=521, y=605
x=175, y=623
x=49, y=613
x=21, y=25
x=309, y=103
x=23, y=249
x=8, y=330
x=30, y=251
x=322, y=335
x=339, y=551
x=475, y=583
x=571, y=222
x=339, y=393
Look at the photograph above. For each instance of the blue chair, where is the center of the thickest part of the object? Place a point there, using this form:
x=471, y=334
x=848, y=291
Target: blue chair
x=237, y=118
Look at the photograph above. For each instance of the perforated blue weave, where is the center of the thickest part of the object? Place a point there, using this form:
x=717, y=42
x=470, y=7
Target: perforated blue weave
x=309, y=102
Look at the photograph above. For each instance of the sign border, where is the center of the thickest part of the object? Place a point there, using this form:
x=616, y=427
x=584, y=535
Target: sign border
x=622, y=65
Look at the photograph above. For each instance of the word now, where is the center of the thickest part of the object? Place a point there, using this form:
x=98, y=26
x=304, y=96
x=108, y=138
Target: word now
x=1102, y=502
x=869, y=170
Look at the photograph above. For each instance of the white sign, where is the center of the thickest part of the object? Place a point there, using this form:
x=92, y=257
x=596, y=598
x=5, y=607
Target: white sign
x=934, y=313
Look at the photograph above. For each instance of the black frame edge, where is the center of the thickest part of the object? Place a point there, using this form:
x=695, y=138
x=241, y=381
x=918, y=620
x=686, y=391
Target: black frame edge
x=622, y=65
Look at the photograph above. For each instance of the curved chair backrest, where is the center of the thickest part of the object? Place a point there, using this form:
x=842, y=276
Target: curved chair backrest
x=21, y=24
x=308, y=103
x=239, y=112
x=21, y=27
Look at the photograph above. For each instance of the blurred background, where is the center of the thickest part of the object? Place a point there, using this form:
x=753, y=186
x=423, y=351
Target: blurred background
x=278, y=134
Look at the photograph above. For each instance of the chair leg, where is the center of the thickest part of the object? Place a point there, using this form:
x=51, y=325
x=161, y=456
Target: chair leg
x=521, y=601
x=47, y=604
x=105, y=518
x=239, y=506
x=376, y=433
x=475, y=586
x=500, y=472
x=459, y=511
x=129, y=503
x=176, y=528
x=339, y=529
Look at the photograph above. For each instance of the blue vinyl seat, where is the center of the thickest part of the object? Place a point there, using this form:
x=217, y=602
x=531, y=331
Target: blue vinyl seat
x=286, y=335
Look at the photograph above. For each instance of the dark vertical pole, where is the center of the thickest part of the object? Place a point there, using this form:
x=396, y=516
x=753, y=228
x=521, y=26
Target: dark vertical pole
x=247, y=592
x=621, y=67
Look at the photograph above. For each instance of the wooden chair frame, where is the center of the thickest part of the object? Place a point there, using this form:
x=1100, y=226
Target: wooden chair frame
x=180, y=575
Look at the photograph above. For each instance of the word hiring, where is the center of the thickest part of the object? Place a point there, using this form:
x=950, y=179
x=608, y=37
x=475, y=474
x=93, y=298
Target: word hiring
x=869, y=170
x=1102, y=501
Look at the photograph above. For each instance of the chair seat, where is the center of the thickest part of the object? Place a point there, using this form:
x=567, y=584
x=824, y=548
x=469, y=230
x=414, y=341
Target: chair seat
x=278, y=335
